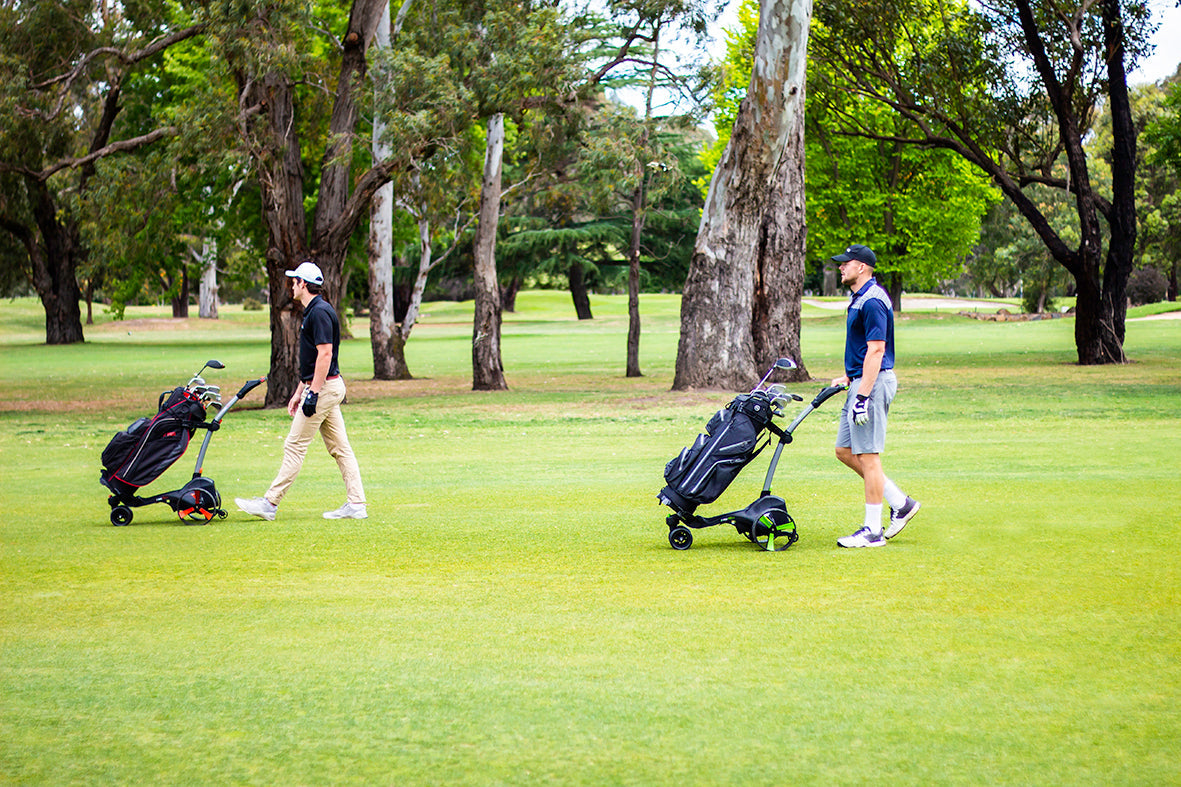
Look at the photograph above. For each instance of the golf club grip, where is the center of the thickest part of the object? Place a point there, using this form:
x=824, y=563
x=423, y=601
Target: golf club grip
x=826, y=394
x=250, y=386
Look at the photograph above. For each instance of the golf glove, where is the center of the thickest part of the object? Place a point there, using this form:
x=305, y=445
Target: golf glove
x=309, y=402
x=860, y=413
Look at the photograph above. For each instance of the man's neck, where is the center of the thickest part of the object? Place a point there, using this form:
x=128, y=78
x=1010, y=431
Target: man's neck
x=860, y=283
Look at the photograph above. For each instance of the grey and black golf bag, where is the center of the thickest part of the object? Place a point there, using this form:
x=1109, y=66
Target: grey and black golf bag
x=703, y=471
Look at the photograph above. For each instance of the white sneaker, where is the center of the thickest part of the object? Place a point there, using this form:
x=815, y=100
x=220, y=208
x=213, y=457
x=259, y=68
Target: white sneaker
x=348, y=511
x=257, y=506
x=862, y=538
x=899, y=518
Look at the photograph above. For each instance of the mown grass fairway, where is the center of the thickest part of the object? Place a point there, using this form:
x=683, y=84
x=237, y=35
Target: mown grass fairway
x=512, y=613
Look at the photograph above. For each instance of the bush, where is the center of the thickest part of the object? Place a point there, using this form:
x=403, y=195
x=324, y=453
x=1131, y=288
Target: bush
x=1147, y=285
x=251, y=305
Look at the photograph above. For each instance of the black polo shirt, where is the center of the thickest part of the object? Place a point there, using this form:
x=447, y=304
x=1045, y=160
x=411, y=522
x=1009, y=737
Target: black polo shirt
x=320, y=326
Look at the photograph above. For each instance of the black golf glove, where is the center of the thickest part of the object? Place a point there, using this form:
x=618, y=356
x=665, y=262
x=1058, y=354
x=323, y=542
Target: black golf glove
x=309, y=402
x=860, y=413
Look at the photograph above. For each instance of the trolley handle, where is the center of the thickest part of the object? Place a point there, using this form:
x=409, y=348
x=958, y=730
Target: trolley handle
x=826, y=394
x=249, y=386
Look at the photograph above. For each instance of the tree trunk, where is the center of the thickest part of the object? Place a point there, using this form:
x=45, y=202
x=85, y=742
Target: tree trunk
x=508, y=294
x=487, y=367
x=207, y=294
x=54, y=261
x=717, y=344
x=633, y=275
x=180, y=303
x=271, y=138
x=577, y=278
x=389, y=360
x=1122, y=221
x=780, y=264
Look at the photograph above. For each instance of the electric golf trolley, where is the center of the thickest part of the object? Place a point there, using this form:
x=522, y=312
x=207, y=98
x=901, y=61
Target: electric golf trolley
x=141, y=453
x=703, y=471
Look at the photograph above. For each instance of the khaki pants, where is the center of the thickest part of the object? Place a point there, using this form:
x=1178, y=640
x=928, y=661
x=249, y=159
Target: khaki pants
x=328, y=421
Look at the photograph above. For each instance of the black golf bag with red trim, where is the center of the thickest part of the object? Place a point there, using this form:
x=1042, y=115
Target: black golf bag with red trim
x=142, y=452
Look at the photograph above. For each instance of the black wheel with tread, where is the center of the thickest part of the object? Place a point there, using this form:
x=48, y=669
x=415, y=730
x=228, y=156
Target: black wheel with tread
x=680, y=537
x=120, y=516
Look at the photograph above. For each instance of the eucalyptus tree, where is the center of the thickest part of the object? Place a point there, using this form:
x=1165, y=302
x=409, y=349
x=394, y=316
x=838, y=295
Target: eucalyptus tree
x=298, y=96
x=741, y=300
x=62, y=83
x=1013, y=87
x=921, y=209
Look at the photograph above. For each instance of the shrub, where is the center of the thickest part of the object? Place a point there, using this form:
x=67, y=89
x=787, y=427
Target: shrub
x=1147, y=285
x=251, y=305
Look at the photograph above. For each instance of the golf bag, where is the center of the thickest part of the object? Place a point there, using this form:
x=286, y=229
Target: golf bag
x=144, y=450
x=141, y=453
x=704, y=470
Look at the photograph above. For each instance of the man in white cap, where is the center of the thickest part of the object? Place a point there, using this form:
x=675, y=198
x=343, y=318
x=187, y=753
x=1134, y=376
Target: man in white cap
x=315, y=405
x=869, y=376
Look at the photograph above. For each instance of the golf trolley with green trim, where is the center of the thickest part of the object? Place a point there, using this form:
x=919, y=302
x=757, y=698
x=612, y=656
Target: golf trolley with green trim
x=703, y=471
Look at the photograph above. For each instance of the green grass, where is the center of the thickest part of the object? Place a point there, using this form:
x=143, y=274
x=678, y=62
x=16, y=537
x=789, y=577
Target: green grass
x=511, y=613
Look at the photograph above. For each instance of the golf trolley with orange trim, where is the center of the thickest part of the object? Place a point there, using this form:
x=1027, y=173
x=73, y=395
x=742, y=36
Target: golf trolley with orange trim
x=142, y=452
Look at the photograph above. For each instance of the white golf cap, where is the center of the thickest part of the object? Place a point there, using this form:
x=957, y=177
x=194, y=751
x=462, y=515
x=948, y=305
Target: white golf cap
x=308, y=271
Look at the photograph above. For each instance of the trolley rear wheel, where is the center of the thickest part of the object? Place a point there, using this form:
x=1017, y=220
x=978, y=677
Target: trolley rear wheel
x=120, y=516
x=774, y=531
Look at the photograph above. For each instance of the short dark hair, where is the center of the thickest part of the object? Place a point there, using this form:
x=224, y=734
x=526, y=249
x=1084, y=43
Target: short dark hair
x=313, y=288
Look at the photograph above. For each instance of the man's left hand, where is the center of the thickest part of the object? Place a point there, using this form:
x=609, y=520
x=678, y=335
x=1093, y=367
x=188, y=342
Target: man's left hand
x=860, y=410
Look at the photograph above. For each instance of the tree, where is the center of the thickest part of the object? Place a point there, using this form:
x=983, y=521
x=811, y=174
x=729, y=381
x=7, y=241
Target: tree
x=921, y=209
x=273, y=56
x=741, y=298
x=61, y=95
x=1160, y=180
x=1013, y=88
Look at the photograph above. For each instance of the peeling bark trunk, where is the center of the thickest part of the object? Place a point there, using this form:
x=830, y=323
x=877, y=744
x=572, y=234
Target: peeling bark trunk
x=717, y=347
x=207, y=292
x=487, y=367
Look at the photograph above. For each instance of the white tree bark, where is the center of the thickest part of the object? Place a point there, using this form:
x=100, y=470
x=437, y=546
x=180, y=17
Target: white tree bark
x=487, y=367
x=381, y=260
x=207, y=294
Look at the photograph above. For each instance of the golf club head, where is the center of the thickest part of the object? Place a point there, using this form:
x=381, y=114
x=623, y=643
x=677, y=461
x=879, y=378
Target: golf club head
x=210, y=364
x=782, y=363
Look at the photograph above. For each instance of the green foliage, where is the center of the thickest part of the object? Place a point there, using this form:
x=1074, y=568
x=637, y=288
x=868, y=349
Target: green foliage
x=919, y=208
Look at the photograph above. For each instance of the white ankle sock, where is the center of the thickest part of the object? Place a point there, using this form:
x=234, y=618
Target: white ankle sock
x=873, y=518
x=894, y=496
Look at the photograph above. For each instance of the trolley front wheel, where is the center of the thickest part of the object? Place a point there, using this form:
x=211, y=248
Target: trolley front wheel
x=120, y=516
x=680, y=537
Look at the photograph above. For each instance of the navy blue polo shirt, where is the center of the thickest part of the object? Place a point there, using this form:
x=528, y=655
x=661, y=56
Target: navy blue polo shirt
x=870, y=318
x=320, y=326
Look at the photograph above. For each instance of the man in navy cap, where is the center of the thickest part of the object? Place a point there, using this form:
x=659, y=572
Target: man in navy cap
x=869, y=375
x=315, y=405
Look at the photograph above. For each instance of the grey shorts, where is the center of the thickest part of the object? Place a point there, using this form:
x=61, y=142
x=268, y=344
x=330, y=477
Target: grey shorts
x=868, y=438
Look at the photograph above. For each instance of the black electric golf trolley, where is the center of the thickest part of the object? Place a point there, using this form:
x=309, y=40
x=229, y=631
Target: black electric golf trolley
x=144, y=450
x=703, y=471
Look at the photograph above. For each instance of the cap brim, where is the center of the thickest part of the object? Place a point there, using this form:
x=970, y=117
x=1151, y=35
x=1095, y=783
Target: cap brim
x=841, y=258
